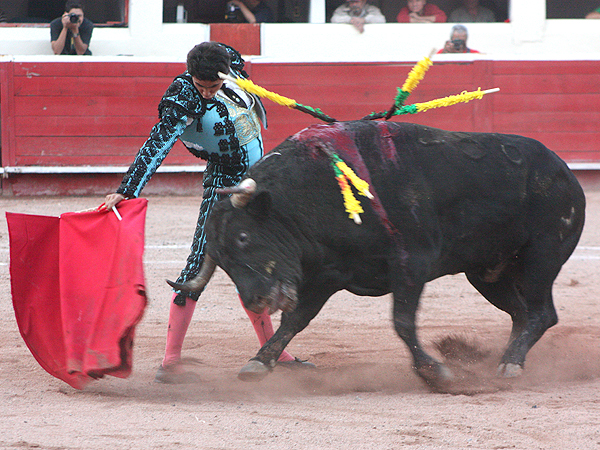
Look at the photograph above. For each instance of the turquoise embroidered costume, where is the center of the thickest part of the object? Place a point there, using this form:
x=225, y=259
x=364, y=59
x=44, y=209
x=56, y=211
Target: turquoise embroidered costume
x=224, y=131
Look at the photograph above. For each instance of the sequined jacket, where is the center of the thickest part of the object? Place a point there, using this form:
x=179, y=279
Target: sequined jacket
x=219, y=131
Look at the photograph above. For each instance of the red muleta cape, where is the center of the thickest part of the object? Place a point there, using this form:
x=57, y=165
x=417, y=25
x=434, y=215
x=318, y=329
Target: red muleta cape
x=78, y=289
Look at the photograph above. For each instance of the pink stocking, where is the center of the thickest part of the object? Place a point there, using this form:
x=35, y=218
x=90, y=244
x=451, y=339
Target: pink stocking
x=179, y=321
x=264, y=329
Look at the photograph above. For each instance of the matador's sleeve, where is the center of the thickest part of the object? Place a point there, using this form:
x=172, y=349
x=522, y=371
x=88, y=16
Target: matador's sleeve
x=172, y=124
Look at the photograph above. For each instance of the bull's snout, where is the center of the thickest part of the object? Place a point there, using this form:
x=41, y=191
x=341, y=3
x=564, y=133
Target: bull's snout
x=282, y=296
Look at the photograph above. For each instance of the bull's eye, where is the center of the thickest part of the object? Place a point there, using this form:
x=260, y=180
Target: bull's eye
x=243, y=239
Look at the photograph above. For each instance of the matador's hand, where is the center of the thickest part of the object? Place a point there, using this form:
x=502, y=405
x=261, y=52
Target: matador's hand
x=111, y=200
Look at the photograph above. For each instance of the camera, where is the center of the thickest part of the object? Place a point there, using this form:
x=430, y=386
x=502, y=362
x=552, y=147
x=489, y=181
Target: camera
x=74, y=18
x=459, y=44
x=232, y=14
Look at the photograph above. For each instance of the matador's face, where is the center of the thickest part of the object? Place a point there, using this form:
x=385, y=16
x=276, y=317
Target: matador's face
x=208, y=89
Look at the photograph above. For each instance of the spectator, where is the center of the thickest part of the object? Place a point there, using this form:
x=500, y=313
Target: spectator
x=71, y=34
x=250, y=11
x=458, y=41
x=218, y=122
x=472, y=12
x=595, y=14
x=419, y=11
x=357, y=13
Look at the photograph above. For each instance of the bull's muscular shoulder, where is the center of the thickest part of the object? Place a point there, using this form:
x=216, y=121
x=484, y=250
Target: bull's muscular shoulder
x=374, y=135
x=393, y=144
x=453, y=144
x=408, y=164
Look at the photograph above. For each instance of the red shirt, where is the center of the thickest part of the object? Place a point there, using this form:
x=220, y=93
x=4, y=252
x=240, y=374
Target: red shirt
x=428, y=10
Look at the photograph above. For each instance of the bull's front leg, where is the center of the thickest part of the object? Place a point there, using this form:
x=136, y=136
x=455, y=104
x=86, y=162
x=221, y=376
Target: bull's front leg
x=266, y=359
x=406, y=301
x=292, y=323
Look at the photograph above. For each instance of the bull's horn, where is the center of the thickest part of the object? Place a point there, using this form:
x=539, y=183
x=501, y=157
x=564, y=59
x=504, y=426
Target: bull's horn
x=198, y=283
x=241, y=193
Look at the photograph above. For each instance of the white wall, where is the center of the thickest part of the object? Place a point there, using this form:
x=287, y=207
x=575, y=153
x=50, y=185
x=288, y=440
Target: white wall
x=528, y=36
x=564, y=39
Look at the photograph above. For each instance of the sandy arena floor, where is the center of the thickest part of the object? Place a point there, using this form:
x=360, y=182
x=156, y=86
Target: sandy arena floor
x=363, y=395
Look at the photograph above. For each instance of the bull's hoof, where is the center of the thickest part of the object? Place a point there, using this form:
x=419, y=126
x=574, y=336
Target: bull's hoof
x=437, y=376
x=509, y=370
x=253, y=371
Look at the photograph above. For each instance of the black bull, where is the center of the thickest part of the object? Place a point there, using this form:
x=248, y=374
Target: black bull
x=503, y=209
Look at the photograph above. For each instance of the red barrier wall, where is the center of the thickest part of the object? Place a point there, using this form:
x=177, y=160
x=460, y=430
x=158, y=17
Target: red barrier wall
x=556, y=102
x=83, y=113
x=100, y=113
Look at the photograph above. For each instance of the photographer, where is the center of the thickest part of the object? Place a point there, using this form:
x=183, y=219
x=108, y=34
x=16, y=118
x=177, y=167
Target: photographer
x=71, y=34
x=458, y=41
x=250, y=11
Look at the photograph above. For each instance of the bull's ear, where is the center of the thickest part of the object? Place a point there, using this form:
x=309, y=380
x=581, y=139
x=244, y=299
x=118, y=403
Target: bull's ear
x=260, y=205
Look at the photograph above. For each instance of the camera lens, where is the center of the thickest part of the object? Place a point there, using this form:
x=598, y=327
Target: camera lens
x=232, y=12
x=74, y=18
x=458, y=43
